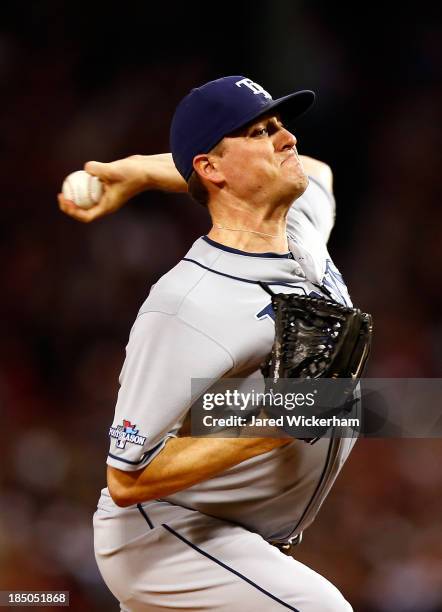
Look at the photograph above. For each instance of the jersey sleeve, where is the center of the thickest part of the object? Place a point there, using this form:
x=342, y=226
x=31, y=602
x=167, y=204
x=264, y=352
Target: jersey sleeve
x=316, y=207
x=162, y=356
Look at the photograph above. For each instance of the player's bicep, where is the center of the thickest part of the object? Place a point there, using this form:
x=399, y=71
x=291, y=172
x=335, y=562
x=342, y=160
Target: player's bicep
x=162, y=357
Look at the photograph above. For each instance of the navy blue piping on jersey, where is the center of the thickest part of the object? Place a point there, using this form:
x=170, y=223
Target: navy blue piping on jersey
x=318, y=486
x=144, y=514
x=243, y=280
x=229, y=569
x=223, y=247
x=127, y=460
x=143, y=458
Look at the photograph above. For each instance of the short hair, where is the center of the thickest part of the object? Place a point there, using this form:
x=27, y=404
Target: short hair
x=195, y=185
x=197, y=189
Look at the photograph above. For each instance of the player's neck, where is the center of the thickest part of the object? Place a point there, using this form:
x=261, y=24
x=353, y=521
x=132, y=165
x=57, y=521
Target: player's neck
x=250, y=233
x=248, y=242
x=253, y=221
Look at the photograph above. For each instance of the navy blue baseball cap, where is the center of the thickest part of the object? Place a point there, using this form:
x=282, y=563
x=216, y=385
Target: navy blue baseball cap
x=218, y=108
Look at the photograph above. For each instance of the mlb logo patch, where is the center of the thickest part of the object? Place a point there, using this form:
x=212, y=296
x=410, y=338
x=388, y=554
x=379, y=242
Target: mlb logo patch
x=127, y=432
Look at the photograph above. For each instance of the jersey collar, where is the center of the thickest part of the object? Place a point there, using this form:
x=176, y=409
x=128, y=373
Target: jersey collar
x=265, y=267
x=223, y=247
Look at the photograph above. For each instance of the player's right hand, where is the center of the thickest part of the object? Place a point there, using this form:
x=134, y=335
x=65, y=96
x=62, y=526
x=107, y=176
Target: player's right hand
x=122, y=179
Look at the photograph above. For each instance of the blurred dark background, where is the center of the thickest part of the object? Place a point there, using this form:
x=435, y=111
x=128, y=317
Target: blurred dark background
x=84, y=81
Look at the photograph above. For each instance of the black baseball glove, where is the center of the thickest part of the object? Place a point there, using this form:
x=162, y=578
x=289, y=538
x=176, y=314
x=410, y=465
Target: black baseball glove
x=317, y=339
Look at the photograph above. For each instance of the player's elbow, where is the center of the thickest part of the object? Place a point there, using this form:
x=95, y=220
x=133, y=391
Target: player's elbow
x=121, y=487
x=121, y=497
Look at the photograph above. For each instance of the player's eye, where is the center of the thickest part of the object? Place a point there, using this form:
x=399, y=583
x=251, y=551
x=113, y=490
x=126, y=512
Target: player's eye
x=260, y=131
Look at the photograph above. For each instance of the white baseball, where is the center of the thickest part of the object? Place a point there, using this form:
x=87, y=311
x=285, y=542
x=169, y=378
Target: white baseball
x=83, y=189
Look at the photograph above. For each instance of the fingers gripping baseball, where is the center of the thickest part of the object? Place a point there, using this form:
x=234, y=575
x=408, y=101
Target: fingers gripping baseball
x=120, y=180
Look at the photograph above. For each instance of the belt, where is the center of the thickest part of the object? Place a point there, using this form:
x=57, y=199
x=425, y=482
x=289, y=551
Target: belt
x=287, y=547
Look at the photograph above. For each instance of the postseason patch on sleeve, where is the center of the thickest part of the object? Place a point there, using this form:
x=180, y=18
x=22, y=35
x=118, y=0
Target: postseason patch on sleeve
x=127, y=432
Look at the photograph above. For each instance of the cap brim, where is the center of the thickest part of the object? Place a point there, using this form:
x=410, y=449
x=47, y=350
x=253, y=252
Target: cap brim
x=294, y=105
x=289, y=107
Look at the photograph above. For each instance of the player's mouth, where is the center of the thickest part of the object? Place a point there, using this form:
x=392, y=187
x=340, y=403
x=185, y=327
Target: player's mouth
x=291, y=156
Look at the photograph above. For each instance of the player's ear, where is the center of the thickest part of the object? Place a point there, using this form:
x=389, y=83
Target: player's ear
x=206, y=166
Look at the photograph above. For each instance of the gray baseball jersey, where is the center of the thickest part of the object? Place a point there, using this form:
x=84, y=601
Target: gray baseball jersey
x=207, y=319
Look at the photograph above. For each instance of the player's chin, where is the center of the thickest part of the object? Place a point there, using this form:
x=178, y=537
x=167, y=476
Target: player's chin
x=298, y=181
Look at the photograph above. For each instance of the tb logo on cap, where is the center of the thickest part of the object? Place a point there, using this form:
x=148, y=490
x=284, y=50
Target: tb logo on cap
x=257, y=89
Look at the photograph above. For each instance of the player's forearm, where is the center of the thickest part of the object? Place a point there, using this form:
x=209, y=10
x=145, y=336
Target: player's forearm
x=182, y=463
x=160, y=173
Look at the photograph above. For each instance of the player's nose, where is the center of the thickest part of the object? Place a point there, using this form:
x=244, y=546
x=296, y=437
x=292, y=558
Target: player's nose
x=286, y=140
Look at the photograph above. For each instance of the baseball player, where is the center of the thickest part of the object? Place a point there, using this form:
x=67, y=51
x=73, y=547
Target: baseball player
x=201, y=523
